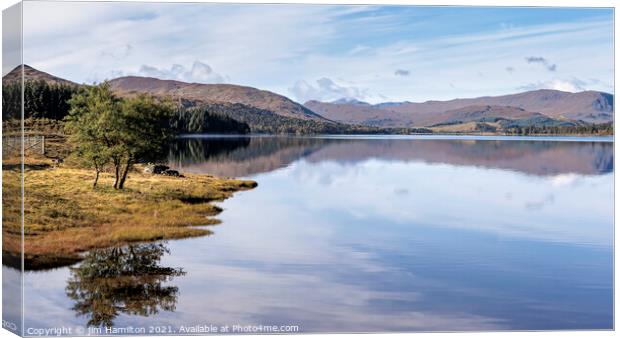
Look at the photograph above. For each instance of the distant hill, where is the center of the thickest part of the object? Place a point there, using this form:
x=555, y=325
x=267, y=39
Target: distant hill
x=476, y=113
x=32, y=74
x=196, y=93
x=233, y=108
x=44, y=95
x=267, y=122
x=209, y=93
x=533, y=112
x=588, y=106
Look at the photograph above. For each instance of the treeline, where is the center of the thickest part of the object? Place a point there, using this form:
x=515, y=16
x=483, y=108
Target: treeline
x=41, y=99
x=263, y=121
x=197, y=120
x=581, y=128
x=540, y=125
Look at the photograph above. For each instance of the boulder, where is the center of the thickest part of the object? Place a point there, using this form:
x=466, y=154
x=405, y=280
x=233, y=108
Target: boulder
x=170, y=172
x=155, y=169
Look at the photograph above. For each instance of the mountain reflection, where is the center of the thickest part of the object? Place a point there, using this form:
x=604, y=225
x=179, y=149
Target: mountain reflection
x=245, y=156
x=122, y=280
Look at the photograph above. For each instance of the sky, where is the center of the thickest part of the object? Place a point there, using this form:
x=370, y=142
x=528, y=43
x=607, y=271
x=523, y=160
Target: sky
x=327, y=52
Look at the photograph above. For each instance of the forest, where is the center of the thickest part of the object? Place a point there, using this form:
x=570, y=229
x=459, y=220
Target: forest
x=41, y=99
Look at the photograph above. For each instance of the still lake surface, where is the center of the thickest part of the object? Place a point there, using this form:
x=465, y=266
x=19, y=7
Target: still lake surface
x=374, y=234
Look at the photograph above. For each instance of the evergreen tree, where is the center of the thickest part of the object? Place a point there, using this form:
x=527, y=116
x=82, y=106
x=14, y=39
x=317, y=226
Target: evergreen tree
x=41, y=99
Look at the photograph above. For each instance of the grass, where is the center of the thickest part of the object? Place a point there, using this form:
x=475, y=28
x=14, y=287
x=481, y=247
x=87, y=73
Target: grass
x=64, y=216
x=467, y=127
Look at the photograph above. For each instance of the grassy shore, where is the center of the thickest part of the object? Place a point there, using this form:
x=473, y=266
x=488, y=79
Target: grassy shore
x=65, y=216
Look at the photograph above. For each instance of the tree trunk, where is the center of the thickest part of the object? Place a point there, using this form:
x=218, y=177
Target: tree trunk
x=122, y=182
x=96, y=177
x=116, y=174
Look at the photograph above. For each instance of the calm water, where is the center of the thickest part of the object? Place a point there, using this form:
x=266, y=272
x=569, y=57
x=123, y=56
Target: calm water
x=369, y=234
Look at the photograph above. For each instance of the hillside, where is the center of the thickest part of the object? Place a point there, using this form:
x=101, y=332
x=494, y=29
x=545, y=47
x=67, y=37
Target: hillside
x=32, y=74
x=588, y=106
x=267, y=122
x=199, y=93
x=477, y=113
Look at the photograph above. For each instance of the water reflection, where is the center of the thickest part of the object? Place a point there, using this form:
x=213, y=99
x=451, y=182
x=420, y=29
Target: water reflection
x=126, y=280
x=245, y=156
x=379, y=235
x=241, y=156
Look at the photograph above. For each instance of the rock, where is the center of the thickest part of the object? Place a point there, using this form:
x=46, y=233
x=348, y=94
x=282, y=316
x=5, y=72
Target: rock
x=170, y=172
x=155, y=169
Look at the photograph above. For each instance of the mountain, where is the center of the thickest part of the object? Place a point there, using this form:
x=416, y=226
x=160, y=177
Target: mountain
x=588, y=106
x=198, y=93
x=263, y=121
x=476, y=113
x=370, y=115
x=32, y=74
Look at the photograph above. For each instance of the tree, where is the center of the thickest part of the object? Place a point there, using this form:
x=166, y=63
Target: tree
x=89, y=124
x=105, y=129
x=145, y=131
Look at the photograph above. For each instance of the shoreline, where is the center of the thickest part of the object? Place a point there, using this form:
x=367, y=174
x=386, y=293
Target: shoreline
x=482, y=137
x=65, y=217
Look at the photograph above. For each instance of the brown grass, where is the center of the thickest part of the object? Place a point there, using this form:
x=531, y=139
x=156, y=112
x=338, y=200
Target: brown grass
x=65, y=216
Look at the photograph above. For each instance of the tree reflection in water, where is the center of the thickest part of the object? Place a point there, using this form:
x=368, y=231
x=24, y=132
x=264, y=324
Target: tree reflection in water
x=122, y=280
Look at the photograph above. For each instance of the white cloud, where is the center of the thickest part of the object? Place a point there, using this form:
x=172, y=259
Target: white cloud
x=567, y=86
x=326, y=89
x=573, y=85
x=565, y=180
x=270, y=46
x=199, y=72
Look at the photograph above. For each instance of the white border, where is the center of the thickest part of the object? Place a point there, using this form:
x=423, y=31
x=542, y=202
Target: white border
x=496, y=3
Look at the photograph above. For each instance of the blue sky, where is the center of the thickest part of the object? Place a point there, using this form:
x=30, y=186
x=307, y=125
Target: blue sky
x=327, y=52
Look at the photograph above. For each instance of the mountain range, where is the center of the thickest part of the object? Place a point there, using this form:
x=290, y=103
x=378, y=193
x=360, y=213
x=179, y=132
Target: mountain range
x=588, y=106
x=543, y=107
